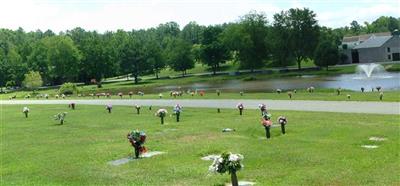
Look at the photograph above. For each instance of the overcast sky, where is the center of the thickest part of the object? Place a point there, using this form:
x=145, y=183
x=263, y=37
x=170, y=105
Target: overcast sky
x=102, y=15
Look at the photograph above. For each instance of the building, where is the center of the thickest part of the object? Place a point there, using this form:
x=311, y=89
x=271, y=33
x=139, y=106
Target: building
x=371, y=48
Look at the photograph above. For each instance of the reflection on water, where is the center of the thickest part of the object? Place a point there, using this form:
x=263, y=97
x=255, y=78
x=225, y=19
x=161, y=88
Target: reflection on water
x=389, y=81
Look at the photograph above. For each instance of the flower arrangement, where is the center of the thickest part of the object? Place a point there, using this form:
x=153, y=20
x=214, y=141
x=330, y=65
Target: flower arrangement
x=140, y=93
x=137, y=139
x=348, y=96
x=57, y=96
x=72, y=106
x=63, y=96
x=263, y=108
x=120, y=94
x=161, y=113
x=338, y=91
x=130, y=94
x=137, y=109
x=267, y=123
x=25, y=110
x=283, y=121
x=290, y=94
x=160, y=95
x=362, y=89
x=278, y=90
x=381, y=95
x=241, y=93
x=240, y=107
x=227, y=162
x=218, y=92
x=109, y=108
x=61, y=117
x=177, y=111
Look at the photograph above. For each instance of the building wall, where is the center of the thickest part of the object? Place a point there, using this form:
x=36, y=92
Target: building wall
x=380, y=54
x=393, y=44
x=372, y=55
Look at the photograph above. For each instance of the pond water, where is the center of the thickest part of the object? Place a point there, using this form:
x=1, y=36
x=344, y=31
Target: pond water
x=388, y=81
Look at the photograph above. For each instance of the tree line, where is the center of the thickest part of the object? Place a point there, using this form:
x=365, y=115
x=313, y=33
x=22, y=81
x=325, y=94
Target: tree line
x=78, y=55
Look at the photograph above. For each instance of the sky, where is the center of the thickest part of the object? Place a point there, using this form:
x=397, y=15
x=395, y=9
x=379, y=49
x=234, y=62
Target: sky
x=110, y=15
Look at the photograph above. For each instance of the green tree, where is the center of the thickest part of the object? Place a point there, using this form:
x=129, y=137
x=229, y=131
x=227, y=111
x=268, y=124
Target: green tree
x=33, y=80
x=302, y=33
x=355, y=27
x=178, y=55
x=248, y=39
x=192, y=33
x=133, y=57
x=326, y=54
x=213, y=52
x=63, y=58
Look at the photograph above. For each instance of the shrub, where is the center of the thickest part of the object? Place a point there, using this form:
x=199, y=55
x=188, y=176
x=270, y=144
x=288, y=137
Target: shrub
x=68, y=89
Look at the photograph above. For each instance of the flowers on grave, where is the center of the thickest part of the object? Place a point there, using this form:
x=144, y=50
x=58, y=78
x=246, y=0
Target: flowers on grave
x=378, y=88
x=240, y=107
x=381, y=96
x=241, y=93
x=218, y=92
x=72, y=106
x=262, y=107
x=46, y=96
x=120, y=94
x=25, y=110
x=278, y=91
x=63, y=96
x=295, y=91
x=338, y=91
x=362, y=89
x=27, y=96
x=290, y=94
x=60, y=117
x=202, y=93
x=310, y=89
x=282, y=121
x=177, y=111
x=348, y=96
x=109, y=108
x=140, y=93
x=161, y=113
x=160, y=95
x=227, y=162
x=130, y=94
x=137, y=107
x=137, y=139
x=267, y=123
x=192, y=93
x=56, y=96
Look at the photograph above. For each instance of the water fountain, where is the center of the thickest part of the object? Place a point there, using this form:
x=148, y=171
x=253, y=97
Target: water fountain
x=371, y=70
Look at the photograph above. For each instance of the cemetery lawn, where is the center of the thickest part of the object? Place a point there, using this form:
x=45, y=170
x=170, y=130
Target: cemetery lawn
x=319, y=148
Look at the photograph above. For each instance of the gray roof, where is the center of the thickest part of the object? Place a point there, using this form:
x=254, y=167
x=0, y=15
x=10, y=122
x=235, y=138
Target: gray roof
x=373, y=42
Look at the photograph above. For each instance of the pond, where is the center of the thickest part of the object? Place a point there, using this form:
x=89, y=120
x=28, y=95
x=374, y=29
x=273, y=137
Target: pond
x=388, y=81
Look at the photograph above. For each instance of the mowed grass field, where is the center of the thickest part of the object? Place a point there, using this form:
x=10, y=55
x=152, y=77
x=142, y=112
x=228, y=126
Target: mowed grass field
x=319, y=148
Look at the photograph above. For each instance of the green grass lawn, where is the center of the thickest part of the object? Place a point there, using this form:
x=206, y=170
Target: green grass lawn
x=318, y=149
